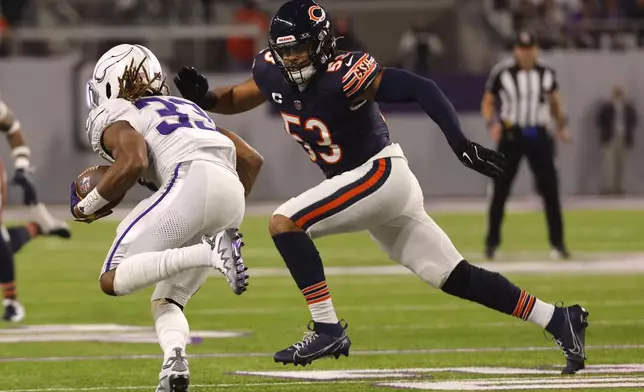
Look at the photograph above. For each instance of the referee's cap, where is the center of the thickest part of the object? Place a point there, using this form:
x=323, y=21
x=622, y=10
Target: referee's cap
x=525, y=39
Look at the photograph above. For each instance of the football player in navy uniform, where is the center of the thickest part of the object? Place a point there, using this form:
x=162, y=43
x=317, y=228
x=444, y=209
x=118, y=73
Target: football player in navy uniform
x=328, y=102
x=14, y=238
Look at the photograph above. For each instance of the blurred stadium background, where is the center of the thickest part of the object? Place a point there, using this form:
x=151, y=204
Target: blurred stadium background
x=48, y=49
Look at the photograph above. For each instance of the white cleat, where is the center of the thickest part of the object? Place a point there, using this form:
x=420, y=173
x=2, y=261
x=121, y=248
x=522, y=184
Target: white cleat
x=227, y=258
x=13, y=311
x=48, y=224
x=175, y=376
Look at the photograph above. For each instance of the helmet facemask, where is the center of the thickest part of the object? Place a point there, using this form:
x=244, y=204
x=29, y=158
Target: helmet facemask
x=300, y=59
x=295, y=60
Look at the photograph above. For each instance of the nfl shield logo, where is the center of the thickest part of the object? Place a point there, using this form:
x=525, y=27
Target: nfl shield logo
x=84, y=185
x=298, y=105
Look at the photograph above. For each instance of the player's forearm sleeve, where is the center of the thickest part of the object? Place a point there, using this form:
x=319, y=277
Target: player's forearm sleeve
x=400, y=86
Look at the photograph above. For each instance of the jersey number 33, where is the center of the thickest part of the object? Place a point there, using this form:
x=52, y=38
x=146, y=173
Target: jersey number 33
x=169, y=108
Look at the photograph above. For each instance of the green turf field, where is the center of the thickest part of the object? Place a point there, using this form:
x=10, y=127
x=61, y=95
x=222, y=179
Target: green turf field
x=395, y=321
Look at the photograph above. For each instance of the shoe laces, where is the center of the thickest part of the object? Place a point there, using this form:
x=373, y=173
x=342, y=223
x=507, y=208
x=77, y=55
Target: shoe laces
x=306, y=340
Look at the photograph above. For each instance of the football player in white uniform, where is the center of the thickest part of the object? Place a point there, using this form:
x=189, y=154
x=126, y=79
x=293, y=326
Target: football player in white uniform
x=15, y=237
x=178, y=235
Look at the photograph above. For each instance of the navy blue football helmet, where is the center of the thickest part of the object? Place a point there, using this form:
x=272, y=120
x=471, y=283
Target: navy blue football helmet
x=301, y=26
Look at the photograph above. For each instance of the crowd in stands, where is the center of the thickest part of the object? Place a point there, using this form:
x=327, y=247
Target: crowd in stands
x=597, y=24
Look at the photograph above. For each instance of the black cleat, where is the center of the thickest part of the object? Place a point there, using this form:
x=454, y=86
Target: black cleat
x=315, y=346
x=570, y=336
x=490, y=252
x=13, y=311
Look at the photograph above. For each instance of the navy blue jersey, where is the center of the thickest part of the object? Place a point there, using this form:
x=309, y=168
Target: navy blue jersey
x=338, y=133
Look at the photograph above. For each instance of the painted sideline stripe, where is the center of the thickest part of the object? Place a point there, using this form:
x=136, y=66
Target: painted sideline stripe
x=356, y=352
x=500, y=384
x=136, y=387
x=625, y=265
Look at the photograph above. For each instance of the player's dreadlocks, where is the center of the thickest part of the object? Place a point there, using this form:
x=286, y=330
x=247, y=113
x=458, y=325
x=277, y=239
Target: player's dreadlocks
x=136, y=83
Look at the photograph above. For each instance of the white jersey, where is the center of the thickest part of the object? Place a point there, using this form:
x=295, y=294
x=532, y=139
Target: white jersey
x=175, y=130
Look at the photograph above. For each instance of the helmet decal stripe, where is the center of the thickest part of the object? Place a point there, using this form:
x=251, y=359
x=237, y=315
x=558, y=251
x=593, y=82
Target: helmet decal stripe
x=119, y=56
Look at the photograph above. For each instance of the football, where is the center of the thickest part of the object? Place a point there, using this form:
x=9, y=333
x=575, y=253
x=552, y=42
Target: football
x=88, y=180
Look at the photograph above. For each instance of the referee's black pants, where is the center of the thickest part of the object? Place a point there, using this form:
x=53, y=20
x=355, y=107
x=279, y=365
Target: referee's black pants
x=538, y=147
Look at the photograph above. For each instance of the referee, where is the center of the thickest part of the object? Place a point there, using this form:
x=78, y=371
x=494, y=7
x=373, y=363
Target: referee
x=526, y=93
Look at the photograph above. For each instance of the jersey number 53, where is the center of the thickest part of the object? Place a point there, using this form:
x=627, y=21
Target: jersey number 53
x=313, y=125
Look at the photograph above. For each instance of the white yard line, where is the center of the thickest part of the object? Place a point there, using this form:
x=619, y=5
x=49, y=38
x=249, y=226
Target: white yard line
x=627, y=264
x=198, y=386
x=431, y=351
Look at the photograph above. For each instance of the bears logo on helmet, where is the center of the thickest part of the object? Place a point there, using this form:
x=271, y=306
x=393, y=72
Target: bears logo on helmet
x=300, y=29
x=313, y=16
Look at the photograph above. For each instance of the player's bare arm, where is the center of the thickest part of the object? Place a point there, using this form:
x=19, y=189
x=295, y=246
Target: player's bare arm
x=237, y=99
x=129, y=150
x=399, y=86
x=490, y=116
x=11, y=127
x=224, y=100
x=249, y=162
x=556, y=109
x=130, y=154
x=487, y=107
x=20, y=152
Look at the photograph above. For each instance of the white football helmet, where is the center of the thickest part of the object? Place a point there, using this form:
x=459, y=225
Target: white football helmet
x=104, y=84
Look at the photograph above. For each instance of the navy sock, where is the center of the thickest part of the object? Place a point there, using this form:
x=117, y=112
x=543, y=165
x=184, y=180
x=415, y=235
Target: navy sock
x=489, y=289
x=303, y=261
x=7, y=271
x=19, y=237
x=301, y=258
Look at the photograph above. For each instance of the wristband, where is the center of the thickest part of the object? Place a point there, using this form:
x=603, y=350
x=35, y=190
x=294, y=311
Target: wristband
x=15, y=127
x=21, y=162
x=20, y=151
x=92, y=203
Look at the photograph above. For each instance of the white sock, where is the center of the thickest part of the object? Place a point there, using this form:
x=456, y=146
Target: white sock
x=323, y=312
x=171, y=326
x=320, y=304
x=145, y=269
x=541, y=313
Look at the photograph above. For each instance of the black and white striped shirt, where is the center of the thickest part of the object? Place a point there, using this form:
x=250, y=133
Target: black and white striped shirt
x=523, y=94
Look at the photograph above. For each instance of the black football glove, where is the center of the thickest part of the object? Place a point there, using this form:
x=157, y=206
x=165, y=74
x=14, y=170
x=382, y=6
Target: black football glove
x=483, y=160
x=194, y=86
x=23, y=177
